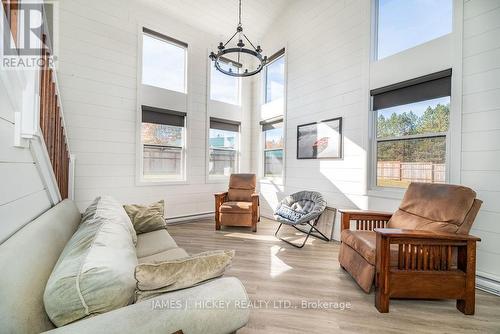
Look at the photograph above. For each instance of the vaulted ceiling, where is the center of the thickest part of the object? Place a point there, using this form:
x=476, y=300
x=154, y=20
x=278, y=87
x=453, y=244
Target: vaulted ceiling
x=221, y=16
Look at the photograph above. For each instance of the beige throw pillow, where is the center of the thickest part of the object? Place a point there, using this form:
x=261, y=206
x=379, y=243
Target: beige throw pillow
x=147, y=218
x=154, y=279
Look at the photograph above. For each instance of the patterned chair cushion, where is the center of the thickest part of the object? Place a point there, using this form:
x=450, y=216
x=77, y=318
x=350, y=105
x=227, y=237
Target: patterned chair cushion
x=305, y=206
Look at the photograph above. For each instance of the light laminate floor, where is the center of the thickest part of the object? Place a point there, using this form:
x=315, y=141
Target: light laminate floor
x=279, y=274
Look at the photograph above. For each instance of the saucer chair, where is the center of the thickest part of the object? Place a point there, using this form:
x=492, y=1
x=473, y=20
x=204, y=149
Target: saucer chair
x=301, y=211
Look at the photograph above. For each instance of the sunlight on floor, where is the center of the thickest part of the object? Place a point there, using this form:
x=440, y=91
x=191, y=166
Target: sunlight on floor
x=278, y=267
x=251, y=236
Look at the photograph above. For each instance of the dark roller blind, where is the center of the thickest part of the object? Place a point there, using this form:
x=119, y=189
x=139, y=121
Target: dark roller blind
x=164, y=37
x=222, y=124
x=273, y=123
x=428, y=87
x=163, y=116
x=276, y=55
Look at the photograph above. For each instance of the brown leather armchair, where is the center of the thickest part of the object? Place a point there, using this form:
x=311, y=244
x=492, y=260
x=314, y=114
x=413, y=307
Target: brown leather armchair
x=423, y=250
x=239, y=206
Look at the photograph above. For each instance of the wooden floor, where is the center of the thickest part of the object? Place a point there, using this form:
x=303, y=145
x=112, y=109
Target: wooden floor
x=276, y=272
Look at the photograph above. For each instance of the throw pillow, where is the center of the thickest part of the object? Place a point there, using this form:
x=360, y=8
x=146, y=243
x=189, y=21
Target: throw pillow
x=154, y=279
x=288, y=213
x=147, y=218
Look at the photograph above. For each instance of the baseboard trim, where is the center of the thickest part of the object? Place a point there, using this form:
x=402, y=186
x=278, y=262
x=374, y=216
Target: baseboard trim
x=488, y=285
x=189, y=218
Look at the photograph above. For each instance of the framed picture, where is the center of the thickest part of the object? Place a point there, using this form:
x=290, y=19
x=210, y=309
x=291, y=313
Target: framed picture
x=320, y=140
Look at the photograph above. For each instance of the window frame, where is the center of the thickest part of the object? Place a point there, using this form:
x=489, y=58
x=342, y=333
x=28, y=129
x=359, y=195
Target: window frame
x=273, y=58
x=162, y=98
x=271, y=121
x=238, y=80
x=375, y=32
x=373, y=186
x=175, y=179
x=237, y=149
x=171, y=41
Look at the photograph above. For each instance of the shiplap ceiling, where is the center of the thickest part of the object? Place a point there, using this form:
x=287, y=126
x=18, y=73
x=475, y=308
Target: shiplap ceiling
x=221, y=16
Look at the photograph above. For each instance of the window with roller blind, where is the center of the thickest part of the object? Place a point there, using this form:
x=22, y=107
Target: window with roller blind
x=411, y=131
x=163, y=144
x=224, y=136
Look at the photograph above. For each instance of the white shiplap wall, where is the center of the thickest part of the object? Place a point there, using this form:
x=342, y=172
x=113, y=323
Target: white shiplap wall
x=481, y=125
x=327, y=48
x=328, y=52
x=23, y=195
x=98, y=46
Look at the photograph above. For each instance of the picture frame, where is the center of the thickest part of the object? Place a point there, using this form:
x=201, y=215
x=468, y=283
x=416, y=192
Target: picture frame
x=320, y=140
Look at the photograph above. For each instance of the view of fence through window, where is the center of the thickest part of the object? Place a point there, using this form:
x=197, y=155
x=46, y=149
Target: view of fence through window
x=411, y=143
x=273, y=150
x=162, y=150
x=223, y=152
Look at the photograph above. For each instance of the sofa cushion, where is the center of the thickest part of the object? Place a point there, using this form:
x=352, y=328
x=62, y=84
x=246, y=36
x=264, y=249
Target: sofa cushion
x=363, y=242
x=147, y=218
x=95, y=271
x=240, y=195
x=235, y=219
x=154, y=242
x=434, y=207
x=157, y=278
x=236, y=207
x=168, y=255
x=243, y=181
x=241, y=187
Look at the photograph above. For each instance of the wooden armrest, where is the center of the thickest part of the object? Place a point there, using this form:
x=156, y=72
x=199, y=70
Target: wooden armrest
x=397, y=233
x=220, y=198
x=363, y=215
x=255, y=198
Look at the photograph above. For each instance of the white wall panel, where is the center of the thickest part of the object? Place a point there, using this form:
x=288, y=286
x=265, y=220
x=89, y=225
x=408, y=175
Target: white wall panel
x=98, y=71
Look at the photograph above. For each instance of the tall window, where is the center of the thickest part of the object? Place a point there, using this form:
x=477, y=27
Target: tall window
x=162, y=135
x=412, y=120
x=404, y=24
x=225, y=88
x=273, y=148
x=275, y=78
x=223, y=143
x=163, y=62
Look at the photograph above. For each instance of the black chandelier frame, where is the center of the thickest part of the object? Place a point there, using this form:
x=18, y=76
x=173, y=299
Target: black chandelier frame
x=256, y=52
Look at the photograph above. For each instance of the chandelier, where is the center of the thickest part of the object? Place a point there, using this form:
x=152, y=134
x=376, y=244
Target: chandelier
x=232, y=57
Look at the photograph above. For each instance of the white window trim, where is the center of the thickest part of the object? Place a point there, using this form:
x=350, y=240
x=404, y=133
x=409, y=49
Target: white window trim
x=264, y=79
x=222, y=178
x=373, y=156
x=171, y=43
x=374, y=49
x=211, y=68
x=452, y=59
x=181, y=179
x=272, y=179
x=180, y=103
x=274, y=109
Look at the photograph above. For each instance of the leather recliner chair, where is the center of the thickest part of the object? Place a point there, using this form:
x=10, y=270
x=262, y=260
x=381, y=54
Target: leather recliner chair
x=239, y=206
x=426, y=240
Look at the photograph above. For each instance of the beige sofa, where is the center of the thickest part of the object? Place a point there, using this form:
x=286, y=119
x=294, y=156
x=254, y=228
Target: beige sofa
x=28, y=257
